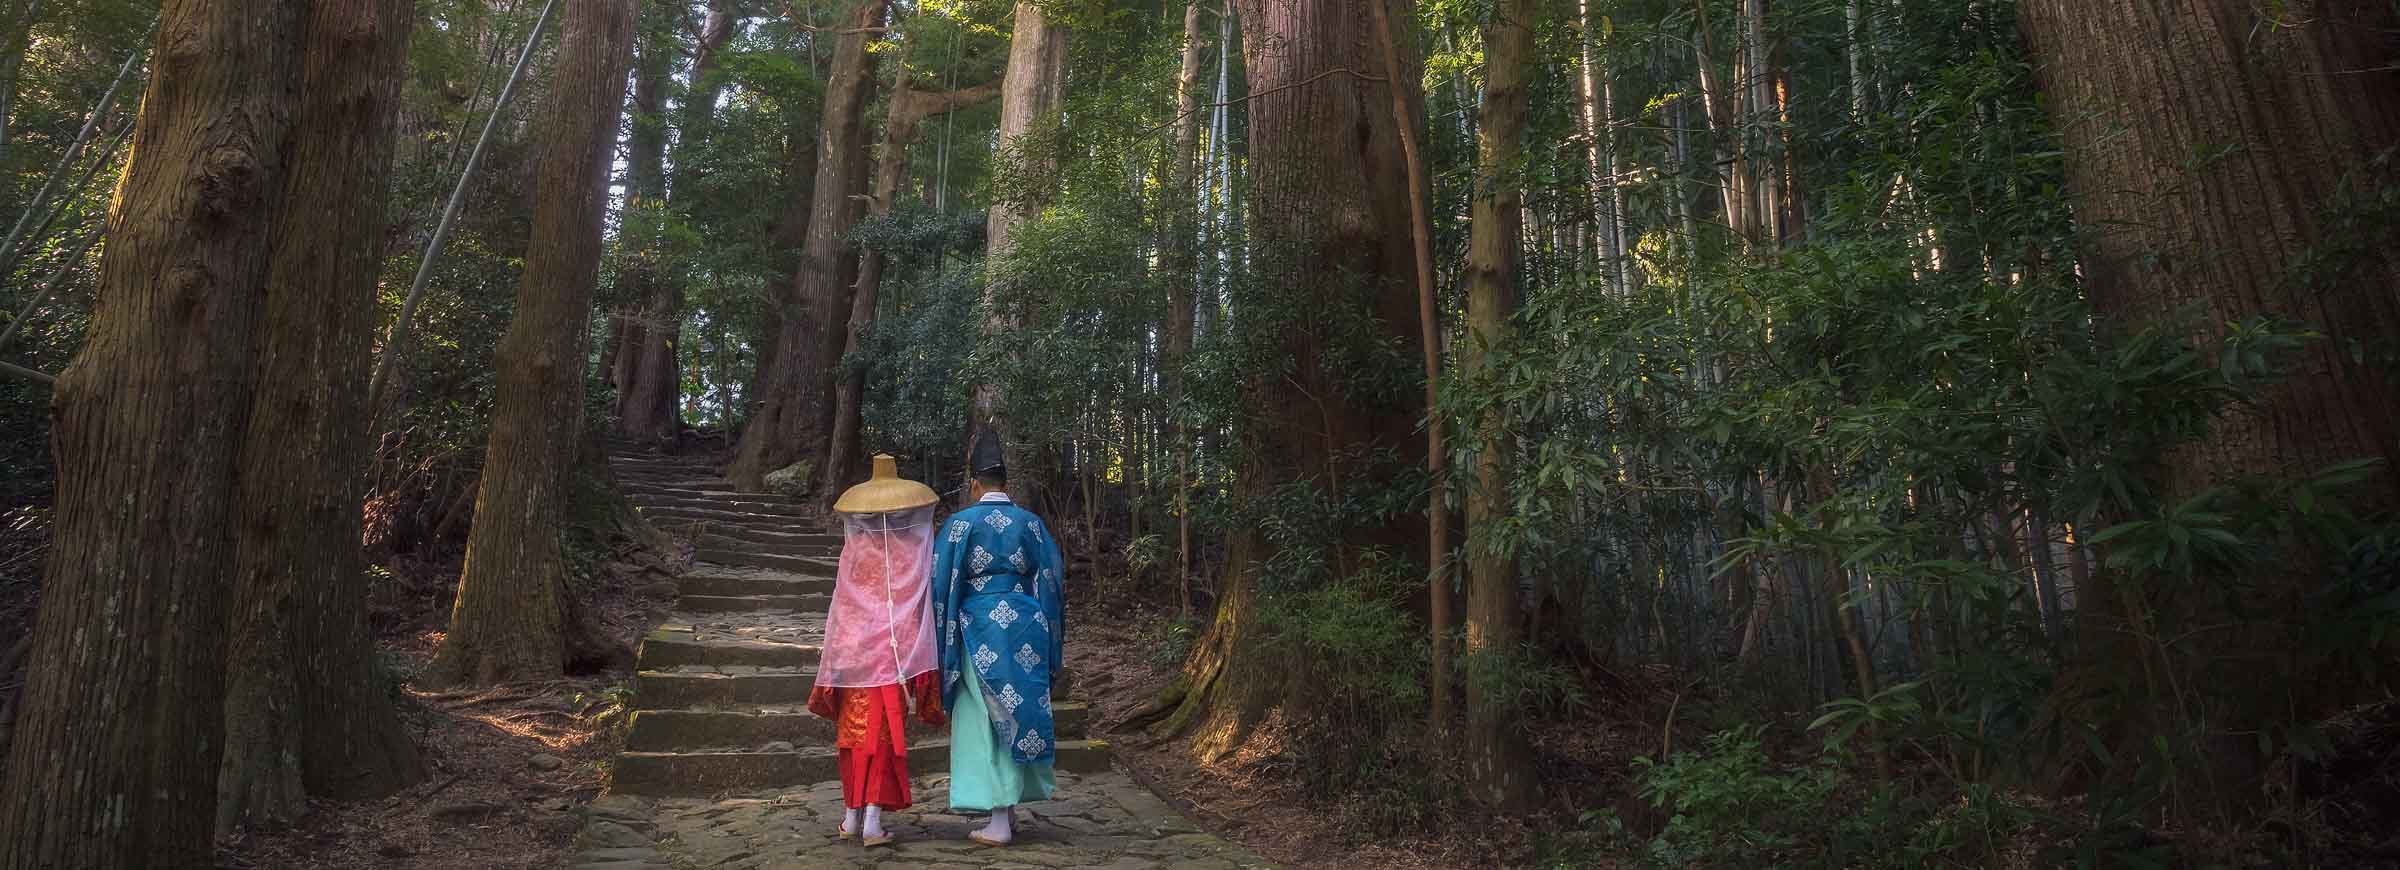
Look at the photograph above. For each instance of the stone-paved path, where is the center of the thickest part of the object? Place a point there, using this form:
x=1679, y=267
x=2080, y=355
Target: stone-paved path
x=1101, y=820
x=724, y=766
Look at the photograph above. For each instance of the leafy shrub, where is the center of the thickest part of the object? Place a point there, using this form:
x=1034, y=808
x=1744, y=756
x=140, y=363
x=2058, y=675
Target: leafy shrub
x=1729, y=805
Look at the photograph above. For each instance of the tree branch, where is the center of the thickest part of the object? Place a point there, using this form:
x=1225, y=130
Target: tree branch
x=919, y=105
x=28, y=374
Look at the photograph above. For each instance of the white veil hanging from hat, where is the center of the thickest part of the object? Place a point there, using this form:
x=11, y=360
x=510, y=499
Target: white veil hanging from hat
x=879, y=627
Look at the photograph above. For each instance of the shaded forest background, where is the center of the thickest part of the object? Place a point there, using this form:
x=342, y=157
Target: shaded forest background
x=1734, y=432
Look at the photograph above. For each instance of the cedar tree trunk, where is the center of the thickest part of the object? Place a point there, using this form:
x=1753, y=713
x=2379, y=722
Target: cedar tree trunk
x=507, y=622
x=308, y=709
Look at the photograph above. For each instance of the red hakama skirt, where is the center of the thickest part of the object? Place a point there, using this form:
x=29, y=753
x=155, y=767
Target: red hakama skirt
x=870, y=732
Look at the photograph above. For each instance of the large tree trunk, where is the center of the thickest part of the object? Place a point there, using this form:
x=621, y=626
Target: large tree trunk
x=307, y=707
x=796, y=393
x=784, y=238
x=117, y=742
x=2295, y=111
x=1332, y=227
x=1030, y=92
x=2217, y=150
x=643, y=351
x=1499, y=760
x=845, y=456
x=651, y=391
x=507, y=622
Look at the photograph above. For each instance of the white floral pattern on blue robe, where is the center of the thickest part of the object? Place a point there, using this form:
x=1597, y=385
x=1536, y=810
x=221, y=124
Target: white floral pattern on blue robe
x=996, y=594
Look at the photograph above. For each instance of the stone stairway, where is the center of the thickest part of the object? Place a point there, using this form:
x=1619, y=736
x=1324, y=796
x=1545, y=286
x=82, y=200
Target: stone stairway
x=721, y=690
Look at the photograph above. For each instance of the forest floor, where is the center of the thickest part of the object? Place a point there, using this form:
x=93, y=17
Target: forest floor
x=1256, y=798
x=508, y=767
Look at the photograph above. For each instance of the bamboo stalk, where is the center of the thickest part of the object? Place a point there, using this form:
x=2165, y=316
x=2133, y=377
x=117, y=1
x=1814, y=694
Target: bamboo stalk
x=91, y=124
x=26, y=312
x=393, y=346
x=8, y=263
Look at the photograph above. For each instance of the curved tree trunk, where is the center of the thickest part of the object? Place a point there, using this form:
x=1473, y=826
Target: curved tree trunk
x=2218, y=149
x=307, y=709
x=797, y=391
x=845, y=456
x=1332, y=228
x=118, y=738
x=506, y=624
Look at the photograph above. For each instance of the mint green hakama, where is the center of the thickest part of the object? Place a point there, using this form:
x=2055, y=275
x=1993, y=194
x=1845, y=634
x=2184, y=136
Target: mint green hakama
x=982, y=776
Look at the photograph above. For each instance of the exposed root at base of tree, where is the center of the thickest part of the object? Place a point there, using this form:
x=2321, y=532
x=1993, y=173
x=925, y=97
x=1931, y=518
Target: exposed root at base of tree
x=1245, y=786
x=493, y=800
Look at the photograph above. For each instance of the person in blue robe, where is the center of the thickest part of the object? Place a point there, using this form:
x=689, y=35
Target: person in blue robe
x=996, y=594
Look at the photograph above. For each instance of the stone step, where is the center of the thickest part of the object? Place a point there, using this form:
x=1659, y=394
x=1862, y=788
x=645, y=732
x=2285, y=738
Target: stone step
x=696, y=478
x=638, y=488
x=727, y=504
x=782, y=539
x=700, y=489
x=683, y=487
x=711, y=540
x=756, y=581
x=660, y=475
x=688, y=730
x=690, y=603
x=645, y=458
x=780, y=639
x=707, y=773
x=696, y=686
x=625, y=468
x=686, y=524
x=700, y=729
x=670, y=652
x=733, y=558
x=712, y=517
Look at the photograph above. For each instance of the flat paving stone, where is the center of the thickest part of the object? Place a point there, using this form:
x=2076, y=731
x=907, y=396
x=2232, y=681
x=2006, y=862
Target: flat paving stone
x=1100, y=820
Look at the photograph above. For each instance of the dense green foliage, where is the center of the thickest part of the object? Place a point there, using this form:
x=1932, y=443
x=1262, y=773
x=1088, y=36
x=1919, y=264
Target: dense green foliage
x=1837, y=484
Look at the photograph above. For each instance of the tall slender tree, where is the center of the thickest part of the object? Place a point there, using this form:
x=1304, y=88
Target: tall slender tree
x=1182, y=265
x=1030, y=92
x=118, y=740
x=307, y=706
x=845, y=453
x=1498, y=757
x=796, y=392
x=508, y=622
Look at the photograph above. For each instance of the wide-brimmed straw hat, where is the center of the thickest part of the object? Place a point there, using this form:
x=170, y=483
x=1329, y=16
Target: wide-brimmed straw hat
x=885, y=491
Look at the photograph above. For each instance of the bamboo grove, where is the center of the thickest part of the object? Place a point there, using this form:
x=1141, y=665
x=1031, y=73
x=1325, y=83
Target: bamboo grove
x=1951, y=419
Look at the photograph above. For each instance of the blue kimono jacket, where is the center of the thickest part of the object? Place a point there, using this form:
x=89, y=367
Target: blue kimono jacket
x=996, y=593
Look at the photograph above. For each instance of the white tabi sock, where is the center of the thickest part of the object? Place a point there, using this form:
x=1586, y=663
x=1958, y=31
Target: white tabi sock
x=1002, y=827
x=874, y=826
x=850, y=821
